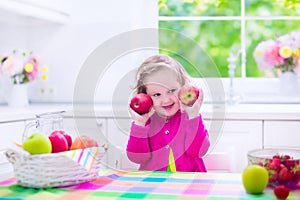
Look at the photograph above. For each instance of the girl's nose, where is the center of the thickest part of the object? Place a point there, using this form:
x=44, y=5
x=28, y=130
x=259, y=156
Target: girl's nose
x=166, y=99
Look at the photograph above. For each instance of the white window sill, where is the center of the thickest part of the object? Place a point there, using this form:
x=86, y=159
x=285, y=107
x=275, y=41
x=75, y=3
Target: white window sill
x=247, y=91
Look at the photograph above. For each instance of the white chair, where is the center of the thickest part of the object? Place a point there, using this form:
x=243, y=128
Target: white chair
x=214, y=161
x=122, y=162
x=220, y=161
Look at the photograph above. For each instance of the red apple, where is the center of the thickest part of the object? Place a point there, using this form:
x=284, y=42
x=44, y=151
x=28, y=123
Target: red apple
x=58, y=142
x=141, y=103
x=188, y=95
x=66, y=135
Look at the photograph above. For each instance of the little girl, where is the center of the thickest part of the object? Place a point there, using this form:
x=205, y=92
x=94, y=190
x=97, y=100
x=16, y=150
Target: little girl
x=172, y=136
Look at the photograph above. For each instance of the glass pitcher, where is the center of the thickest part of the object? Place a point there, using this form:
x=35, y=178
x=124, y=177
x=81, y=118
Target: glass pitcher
x=44, y=123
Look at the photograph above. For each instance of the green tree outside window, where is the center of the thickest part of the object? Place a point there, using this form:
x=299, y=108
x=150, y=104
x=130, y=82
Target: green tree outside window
x=216, y=26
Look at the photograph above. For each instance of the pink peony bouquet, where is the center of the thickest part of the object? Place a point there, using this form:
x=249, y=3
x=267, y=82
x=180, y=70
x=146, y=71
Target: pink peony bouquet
x=282, y=54
x=22, y=67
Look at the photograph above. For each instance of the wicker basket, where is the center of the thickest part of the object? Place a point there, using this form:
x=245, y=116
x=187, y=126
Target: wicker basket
x=56, y=169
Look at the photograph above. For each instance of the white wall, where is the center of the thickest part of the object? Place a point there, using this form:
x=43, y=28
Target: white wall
x=65, y=47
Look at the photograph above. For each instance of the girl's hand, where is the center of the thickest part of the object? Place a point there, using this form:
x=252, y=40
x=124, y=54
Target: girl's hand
x=140, y=119
x=193, y=111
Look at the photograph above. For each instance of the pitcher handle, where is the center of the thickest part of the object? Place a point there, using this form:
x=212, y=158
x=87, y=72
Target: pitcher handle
x=27, y=127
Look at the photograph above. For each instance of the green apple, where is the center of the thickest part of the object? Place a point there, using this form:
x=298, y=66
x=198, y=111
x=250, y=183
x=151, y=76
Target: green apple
x=37, y=143
x=255, y=179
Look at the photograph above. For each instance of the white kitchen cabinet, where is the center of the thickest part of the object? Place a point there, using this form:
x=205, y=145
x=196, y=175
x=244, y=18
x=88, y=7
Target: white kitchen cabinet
x=118, y=131
x=11, y=132
x=236, y=138
x=281, y=134
x=92, y=127
x=111, y=131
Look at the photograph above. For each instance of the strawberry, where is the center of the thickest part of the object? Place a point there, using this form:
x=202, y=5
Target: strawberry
x=290, y=164
x=281, y=192
x=275, y=164
x=296, y=174
x=285, y=175
x=287, y=157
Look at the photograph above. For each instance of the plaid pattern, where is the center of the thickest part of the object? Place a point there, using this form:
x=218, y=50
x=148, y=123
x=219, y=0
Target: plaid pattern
x=144, y=184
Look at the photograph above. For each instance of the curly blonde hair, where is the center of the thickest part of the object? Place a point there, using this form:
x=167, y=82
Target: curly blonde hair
x=156, y=63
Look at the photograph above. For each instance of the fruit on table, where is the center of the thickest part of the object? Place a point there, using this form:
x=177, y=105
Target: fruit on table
x=255, y=179
x=141, y=103
x=188, y=95
x=83, y=141
x=283, y=170
x=281, y=192
x=37, y=143
x=66, y=135
x=58, y=142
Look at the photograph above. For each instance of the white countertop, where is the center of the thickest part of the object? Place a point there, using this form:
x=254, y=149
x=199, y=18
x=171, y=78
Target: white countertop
x=209, y=111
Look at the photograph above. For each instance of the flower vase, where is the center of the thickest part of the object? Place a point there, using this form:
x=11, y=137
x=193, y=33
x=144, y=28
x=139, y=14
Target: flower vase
x=288, y=83
x=17, y=96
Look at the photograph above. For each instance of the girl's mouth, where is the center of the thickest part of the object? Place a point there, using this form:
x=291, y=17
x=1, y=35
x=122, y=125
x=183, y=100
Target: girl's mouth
x=168, y=107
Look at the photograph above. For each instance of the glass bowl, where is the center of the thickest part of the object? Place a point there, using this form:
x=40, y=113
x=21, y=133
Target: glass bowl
x=283, y=165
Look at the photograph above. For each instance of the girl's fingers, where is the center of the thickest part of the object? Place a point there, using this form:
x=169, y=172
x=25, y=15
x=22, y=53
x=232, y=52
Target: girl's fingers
x=200, y=98
x=141, y=119
x=151, y=112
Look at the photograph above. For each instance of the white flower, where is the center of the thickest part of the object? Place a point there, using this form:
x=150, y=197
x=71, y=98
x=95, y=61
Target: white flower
x=296, y=39
x=11, y=66
x=285, y=40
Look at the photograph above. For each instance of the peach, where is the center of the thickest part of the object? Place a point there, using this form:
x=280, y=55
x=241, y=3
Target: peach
x=82, y=142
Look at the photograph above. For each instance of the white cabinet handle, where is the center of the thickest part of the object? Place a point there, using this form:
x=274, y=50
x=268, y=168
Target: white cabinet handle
x=99, y=124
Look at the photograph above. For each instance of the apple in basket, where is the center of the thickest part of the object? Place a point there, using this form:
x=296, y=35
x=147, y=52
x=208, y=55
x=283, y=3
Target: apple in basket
x=58, y=142
x=66, y=135
x=83, y=141
x=37, y=143
x=141, y=103
x=188, y=95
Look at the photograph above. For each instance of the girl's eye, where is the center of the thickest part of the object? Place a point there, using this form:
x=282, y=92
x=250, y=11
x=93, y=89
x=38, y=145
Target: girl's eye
x=156, y=95
x=172, y=90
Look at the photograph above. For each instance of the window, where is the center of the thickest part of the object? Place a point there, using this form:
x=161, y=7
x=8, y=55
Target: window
x=222, y=27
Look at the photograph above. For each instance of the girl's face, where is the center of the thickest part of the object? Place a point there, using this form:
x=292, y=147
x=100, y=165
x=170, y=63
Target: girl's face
x=163, y=87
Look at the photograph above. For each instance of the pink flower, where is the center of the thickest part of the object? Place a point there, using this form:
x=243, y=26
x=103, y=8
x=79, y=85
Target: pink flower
x=22, y=67
x=259, y=54
x=36, y=59
x=297, y=69
x=273, y=57
x=281, y=54
x=35, y=72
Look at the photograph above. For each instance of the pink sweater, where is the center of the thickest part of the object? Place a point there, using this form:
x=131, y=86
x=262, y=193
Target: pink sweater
x=150, y=145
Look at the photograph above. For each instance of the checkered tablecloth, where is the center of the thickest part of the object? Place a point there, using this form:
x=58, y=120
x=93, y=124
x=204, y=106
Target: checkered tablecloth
x=144, y=184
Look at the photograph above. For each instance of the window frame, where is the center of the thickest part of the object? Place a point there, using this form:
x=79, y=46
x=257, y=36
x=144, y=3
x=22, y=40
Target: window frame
x=242, y=18
x=264, y=91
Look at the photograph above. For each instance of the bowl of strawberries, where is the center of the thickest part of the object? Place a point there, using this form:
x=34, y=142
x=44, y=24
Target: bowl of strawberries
x=283, y=165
